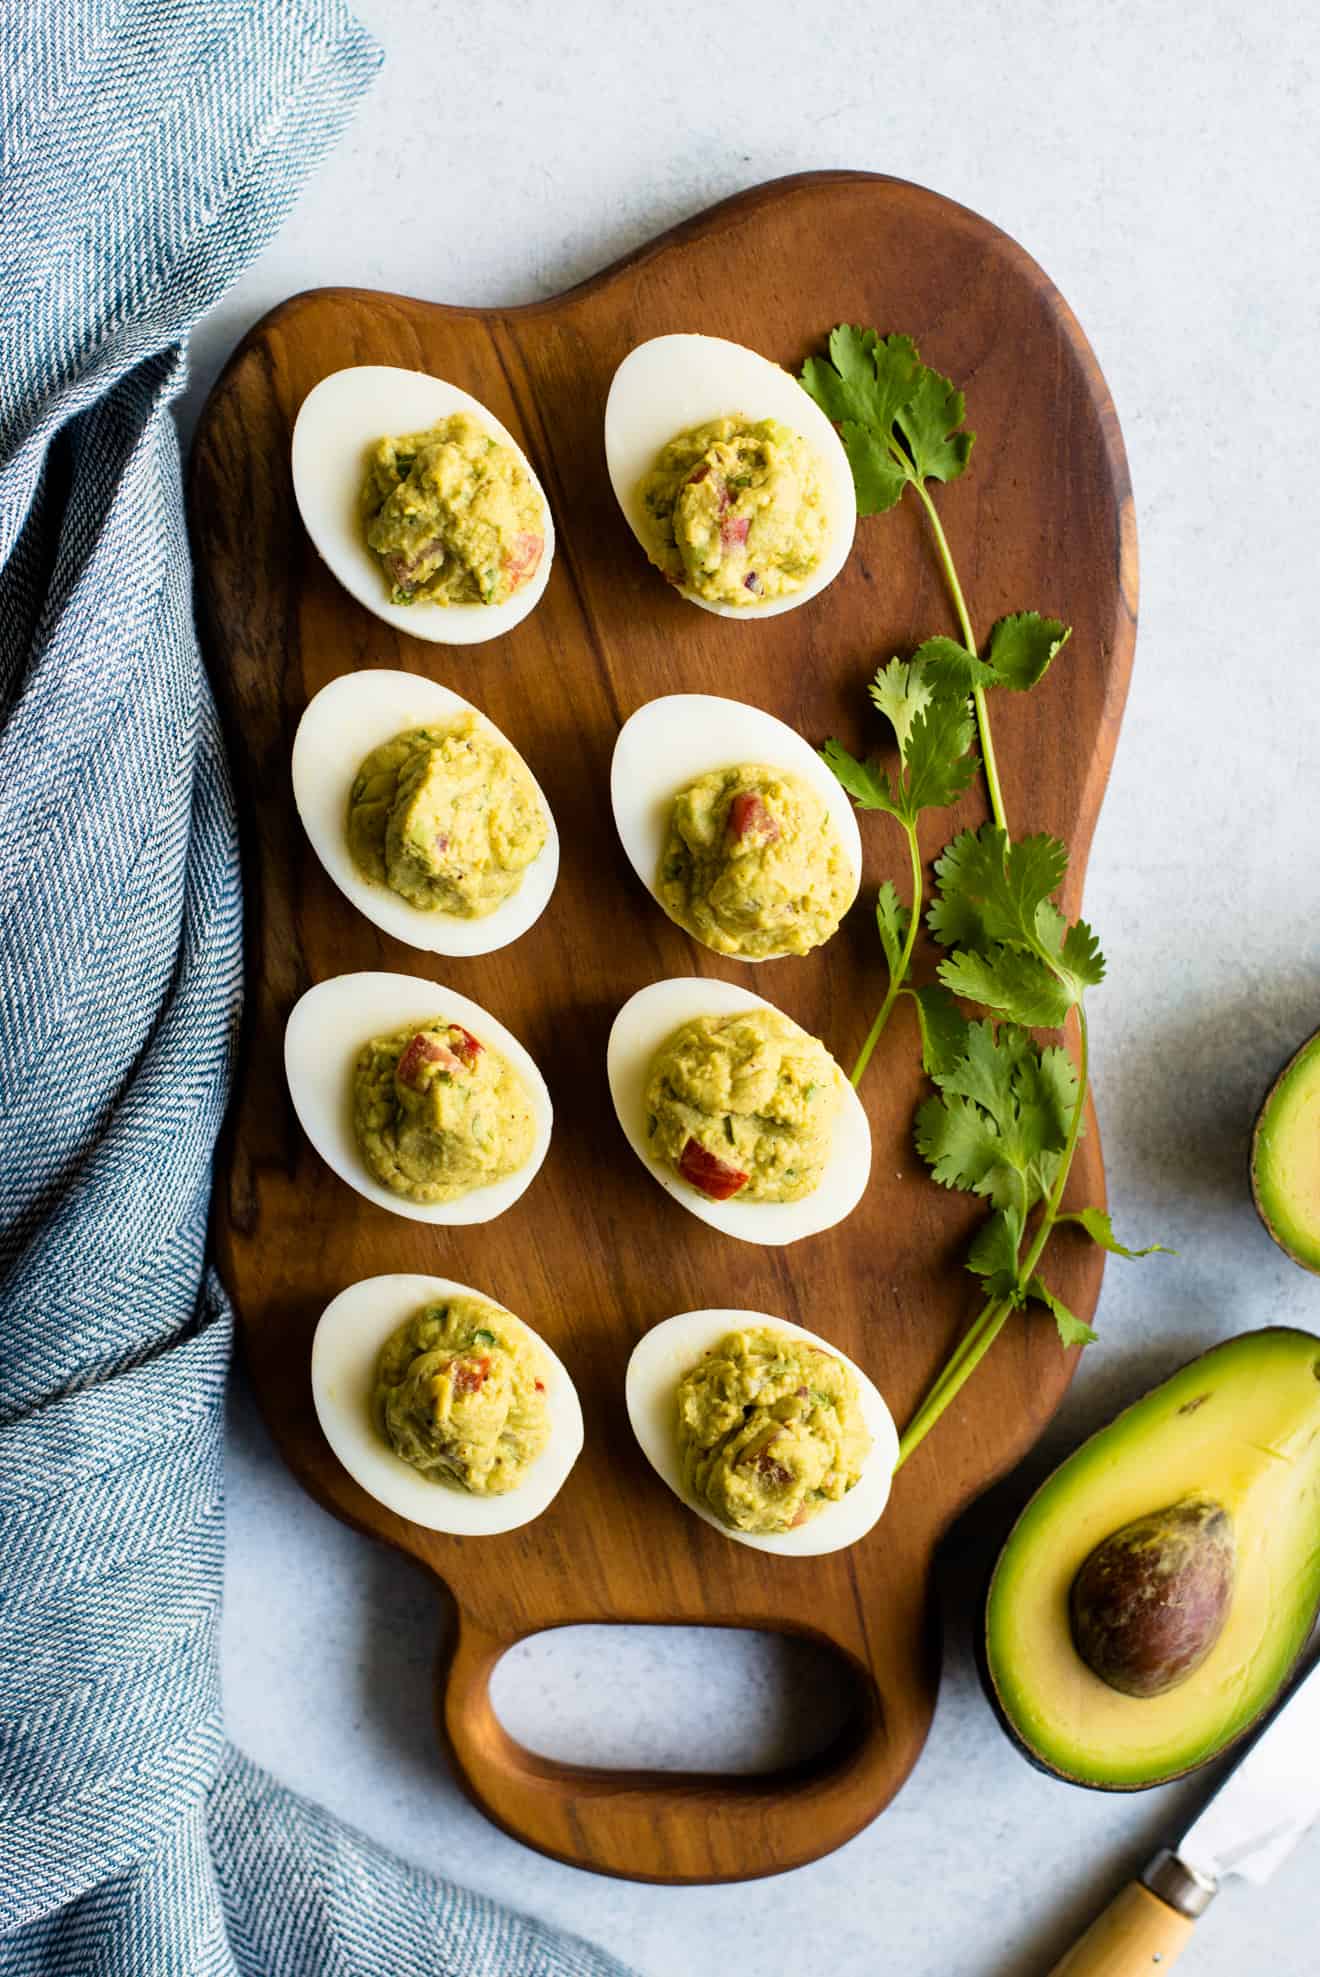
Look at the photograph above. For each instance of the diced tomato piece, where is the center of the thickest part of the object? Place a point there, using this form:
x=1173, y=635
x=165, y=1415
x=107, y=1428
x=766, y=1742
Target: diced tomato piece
x=713, y=1176
x=733, y=531
x=749, y=816
x=523, y=558
x=465, y=1044
x=421, y=1051
x=540, y=1386
x=470, y=1375
x=698, y=473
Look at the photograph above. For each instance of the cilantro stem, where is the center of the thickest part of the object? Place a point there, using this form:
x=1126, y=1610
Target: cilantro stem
x=988, y=761
x=983, y=1332
x=900, y=974
x=954, y=1376
x=1051, y=1215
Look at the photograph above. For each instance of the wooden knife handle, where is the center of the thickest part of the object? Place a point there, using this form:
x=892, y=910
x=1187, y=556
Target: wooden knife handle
x=1137, y=1935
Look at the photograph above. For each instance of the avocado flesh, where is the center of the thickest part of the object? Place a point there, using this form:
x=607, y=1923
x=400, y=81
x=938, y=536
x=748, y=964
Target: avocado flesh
x=1285, y=1157
x=1240, y=1425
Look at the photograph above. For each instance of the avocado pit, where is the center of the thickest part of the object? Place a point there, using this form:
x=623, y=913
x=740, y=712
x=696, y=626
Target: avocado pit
x=1151, y=1600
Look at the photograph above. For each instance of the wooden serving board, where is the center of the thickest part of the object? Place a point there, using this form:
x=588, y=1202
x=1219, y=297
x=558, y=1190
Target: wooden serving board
x=595, y=1253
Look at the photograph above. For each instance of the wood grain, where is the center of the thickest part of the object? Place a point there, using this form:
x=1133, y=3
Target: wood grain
x=595, y=1253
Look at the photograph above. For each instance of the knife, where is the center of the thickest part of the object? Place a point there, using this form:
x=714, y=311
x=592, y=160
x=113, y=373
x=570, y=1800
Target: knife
x=1250, y=1826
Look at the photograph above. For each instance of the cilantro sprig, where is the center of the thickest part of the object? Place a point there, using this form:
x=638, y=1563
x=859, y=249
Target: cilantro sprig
x=1007, y=1112
x=933, y=728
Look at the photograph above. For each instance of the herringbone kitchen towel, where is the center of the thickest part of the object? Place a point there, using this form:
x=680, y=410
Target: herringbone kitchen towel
x=148, y=149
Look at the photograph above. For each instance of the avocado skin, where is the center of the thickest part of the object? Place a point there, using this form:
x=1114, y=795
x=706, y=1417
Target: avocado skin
x=1305, y=1344
x=1299, y=1239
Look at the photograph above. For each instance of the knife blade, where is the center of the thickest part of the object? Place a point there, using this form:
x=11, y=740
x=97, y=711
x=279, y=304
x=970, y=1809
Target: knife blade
x=1250, y=1826
x=1268, y=1800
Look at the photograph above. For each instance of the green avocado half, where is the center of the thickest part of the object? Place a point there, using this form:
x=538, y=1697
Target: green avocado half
x=1236, y=1431
x=1285, y=1157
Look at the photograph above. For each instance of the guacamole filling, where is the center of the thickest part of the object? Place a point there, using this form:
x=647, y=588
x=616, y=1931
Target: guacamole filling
x=735, y=511
x=770, y=1430
x=448, y=818
x=460, y=1395
x=752, y=865
x=452, y=515
x=436, y=1113
x=743, y=1105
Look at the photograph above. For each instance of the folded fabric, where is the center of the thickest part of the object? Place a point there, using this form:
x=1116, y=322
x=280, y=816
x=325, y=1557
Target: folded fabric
x=148, y=149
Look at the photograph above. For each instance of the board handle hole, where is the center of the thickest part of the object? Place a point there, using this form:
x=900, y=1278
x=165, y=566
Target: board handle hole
x=724, y=1700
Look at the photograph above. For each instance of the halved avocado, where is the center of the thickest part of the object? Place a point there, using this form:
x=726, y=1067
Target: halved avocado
x=1285, y=1157
x=1235, y=1431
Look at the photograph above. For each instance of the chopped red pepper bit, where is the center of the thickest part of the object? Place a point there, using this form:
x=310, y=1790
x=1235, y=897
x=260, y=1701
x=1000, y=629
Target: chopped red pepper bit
x=713, y=1176
x=465, y=1044
x=470, y=1375
x=423, y=1050
x=523, y=558
x=750, y=816
x=733, y=531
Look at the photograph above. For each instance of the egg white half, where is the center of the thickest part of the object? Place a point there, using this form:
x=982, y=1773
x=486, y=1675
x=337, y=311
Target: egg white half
x=673, y=383
x=639, y=1029
x=351, y=1331
x=326, y=1029
x=340, y=418
x=672, y=1348
x=341, y=725
x=671, y=741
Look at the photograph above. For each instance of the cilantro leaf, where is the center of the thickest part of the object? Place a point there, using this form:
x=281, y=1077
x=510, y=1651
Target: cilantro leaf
x=866, y=378
x=1101, y=1230
x=1015, y=985
x=901, y=691
x=951, y=667
x=877, y=478
x=1081, y=955
x=866, y=782
x=894, y=921
x=928, y=421
x=1022, y=647
x=1005, y=882
x=1004, y=1073
x=943, y=1028
x=1072, y=1330
x=939, y=761
x=896, y=417
x=994, y=1253
x=934, y=733
x=960, y=1145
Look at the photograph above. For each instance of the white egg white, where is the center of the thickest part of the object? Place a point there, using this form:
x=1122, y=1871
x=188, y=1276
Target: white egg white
x=351, y=1331
x=639, y=1029
x=660, y=1360
x=340, y=419
x=326, y=1029
x=341, y=725
x=673, y=383
x=671, y=741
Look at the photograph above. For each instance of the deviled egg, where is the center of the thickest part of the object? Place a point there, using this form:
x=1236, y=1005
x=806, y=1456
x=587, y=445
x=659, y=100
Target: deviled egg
x=734, y=825
x=772, y=1436
x=731, y=478
x=443, y=1405
x=736, y=1111
x=421, y=503
x=416, y=1096
x=424, y=815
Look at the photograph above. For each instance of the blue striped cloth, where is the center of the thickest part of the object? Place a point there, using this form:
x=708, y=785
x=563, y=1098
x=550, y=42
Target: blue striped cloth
x=148, y=150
